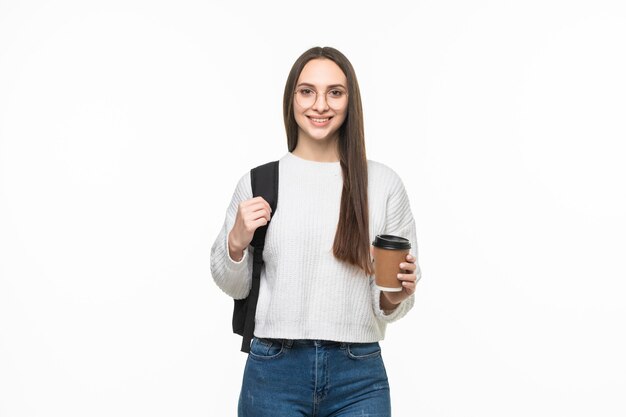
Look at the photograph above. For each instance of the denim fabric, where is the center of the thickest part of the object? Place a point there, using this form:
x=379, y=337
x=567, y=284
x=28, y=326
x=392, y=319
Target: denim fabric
x=314, y=378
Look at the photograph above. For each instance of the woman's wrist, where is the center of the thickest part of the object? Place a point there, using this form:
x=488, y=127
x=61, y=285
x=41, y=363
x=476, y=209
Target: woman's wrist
x=234, y=252
x=386, y=305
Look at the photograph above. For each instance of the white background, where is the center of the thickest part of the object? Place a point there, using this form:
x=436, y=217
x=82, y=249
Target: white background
x=125, y=125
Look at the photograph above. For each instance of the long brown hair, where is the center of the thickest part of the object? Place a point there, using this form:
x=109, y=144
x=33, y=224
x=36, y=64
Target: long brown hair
x=352, y=240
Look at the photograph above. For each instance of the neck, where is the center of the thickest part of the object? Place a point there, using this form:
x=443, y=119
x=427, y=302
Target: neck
x=317, y=150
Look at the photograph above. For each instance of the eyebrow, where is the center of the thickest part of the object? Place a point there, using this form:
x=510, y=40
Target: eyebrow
x=330, y=86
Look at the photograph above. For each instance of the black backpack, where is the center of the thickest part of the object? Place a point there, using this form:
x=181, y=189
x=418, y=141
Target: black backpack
x=264, y=180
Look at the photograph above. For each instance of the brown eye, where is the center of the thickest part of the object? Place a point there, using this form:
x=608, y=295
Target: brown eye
x=336, y=93
x=306, y=91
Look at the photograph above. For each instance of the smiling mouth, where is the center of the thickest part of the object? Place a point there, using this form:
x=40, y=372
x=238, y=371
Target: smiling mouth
x=320, y=120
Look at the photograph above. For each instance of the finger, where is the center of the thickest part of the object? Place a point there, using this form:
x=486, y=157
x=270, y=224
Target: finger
x=256, y=211
x=259, y=214
x=410, y=258
x=407, y=277
x=258, y=223
x=256, y=203
x=257, y=199
x=406, y=283
x=408, y=266
x=249, y=206
x=409, y=286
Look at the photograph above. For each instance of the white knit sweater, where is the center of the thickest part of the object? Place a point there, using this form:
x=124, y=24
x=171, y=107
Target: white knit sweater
x=305, y=292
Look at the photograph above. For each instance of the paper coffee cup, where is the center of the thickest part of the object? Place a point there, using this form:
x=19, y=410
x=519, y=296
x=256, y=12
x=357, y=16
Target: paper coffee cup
x=389, y=252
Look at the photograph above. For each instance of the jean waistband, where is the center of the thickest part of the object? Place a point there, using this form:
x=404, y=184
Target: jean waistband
x=310, y=342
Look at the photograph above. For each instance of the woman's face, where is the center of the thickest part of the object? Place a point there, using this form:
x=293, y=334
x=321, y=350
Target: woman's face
x=320, y=119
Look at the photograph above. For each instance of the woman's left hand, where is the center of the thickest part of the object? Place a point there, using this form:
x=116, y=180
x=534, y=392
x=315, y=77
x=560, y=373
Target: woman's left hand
x=409, y=281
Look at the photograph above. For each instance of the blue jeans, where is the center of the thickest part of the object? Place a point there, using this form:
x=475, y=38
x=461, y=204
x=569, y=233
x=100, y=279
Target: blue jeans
x=316, y=378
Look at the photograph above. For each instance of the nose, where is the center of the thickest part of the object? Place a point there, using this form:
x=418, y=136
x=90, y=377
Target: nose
x=320, y=105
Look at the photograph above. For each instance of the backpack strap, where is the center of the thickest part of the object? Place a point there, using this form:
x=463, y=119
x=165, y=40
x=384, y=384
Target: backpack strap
x=264, y=180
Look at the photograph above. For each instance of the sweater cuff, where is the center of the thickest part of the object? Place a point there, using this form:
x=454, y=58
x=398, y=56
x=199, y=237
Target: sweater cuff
x=231, y=264
x=399, y=312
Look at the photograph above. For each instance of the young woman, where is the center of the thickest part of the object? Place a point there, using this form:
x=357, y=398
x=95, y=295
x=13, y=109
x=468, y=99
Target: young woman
x=319, y=316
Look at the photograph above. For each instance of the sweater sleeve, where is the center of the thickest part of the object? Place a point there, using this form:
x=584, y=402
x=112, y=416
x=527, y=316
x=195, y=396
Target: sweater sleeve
x=232, y=277
x=399, y=221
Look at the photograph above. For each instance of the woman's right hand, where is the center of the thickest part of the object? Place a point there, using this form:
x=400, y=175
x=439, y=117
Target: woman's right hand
x=251, y=214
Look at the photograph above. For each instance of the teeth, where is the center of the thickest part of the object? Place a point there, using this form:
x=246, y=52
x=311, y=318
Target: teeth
x=320, y=120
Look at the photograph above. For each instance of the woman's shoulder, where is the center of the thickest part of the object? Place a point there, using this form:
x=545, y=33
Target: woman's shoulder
x=244, y=180
x=243, y=188
x=386, y=185
x=379, y=172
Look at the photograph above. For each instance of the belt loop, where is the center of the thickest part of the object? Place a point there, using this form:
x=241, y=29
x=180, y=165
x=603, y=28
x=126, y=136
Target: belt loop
x=288, y=343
